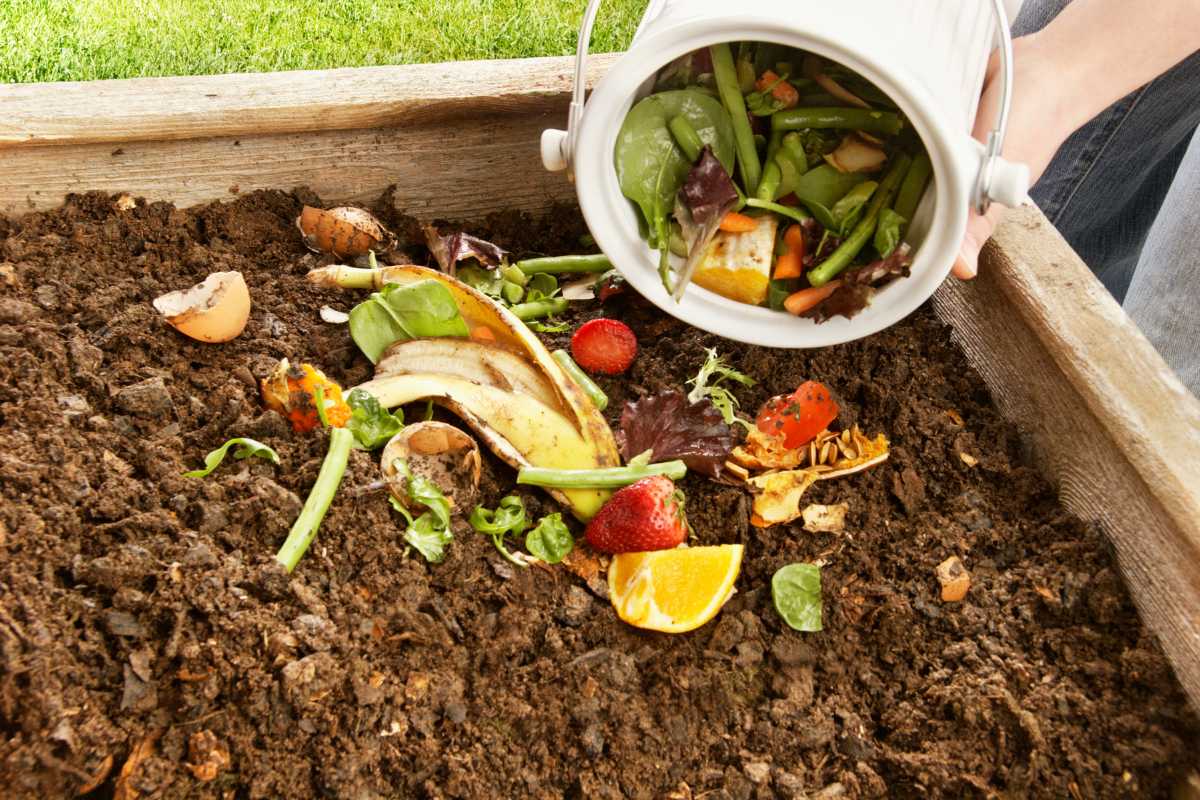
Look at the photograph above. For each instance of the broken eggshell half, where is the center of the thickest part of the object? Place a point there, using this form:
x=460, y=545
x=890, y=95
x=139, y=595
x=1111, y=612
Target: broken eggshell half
x=439, y=452
x=342, y=231
x=215, y=310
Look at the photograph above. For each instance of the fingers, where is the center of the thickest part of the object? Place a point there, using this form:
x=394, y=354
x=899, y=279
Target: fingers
x=979, y=230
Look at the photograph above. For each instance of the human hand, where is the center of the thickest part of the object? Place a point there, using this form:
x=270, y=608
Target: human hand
x=1040, y=121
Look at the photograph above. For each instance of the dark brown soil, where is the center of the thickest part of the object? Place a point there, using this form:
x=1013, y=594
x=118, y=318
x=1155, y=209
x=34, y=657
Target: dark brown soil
x=144, y=628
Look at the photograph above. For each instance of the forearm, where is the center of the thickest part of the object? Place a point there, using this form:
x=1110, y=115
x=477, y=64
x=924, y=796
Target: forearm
x=1102, y=50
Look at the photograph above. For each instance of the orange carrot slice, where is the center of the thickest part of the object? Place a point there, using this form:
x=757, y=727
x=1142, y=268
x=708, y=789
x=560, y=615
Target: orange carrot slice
x=790, y=264
x=738, y=223
x=799, y=302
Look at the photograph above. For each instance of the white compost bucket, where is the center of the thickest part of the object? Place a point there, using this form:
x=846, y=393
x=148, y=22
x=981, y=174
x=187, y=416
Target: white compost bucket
x=929, y=56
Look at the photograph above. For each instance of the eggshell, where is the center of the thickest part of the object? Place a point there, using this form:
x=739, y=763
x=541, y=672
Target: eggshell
x=343, y=231
x=215, y=310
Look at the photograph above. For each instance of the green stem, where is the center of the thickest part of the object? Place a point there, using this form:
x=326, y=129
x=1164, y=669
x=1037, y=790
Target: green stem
x=798, y=214
x=597, y=395
x=913, y=186
x=850, y=247
x=686, y=137
x=884, y=123
x=772, y=176
x=606, y=478
x=560, y=264
x=731, y=95
x=304, y=530
x=539, y=308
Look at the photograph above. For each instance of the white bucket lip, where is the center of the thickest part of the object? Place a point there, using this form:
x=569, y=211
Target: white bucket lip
x=604, y=209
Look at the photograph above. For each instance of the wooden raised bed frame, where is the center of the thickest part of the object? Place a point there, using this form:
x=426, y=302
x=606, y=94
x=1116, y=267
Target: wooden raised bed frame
x=1112, y=427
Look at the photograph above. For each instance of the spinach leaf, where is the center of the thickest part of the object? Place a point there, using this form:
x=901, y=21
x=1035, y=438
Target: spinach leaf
x=509, y=517
x=551, y=540
x=245, y=449
x=796, y=591
x=542, y=286
x=400, y=312
x=887, y=232
x=488, y=281
x=847, y=211
x=822, y=187
x=371, y=423
x=650, y=167
x=430, y=532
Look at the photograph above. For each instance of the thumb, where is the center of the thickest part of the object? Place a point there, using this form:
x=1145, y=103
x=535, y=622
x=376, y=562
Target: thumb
x=979, y=230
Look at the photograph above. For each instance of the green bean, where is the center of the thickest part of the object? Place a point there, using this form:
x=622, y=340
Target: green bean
x=850, y=247
x=913, y=187
x=797, y=214
x=514, y=274
x=602, y=478
x=731, y=95
x=792, y=163
x=512, y=292
x=686, y=137
x=774, y=143
x=885, y=123
x=594, y=392
x=539, y=308
x=792, y=148
x=560, y=264
x=772, y=176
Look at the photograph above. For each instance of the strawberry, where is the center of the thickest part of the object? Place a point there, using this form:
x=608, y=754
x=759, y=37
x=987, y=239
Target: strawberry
x=604, y=345
x=647, y=515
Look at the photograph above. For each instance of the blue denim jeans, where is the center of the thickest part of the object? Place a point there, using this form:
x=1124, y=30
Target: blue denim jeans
x=1124, y=190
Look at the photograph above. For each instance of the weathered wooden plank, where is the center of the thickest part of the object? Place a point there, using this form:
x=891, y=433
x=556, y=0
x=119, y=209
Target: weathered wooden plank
x=460, y=169
x=1112, y=426
x=164, y=109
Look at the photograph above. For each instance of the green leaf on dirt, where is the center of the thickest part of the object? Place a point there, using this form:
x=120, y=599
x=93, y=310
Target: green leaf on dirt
x=796, y=591
x=509, y=517
x=551, y=540
x=371, y=423
x=245, y=449
x=707, y=383
x=400, y=312
x=430, y=532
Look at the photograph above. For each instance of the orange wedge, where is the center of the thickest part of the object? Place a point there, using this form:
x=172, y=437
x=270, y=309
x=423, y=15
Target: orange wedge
x=673, y=590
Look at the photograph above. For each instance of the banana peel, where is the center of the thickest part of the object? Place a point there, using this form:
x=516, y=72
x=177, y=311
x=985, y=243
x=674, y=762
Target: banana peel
x=520, y=429
x=511, y=333
x=473, y=361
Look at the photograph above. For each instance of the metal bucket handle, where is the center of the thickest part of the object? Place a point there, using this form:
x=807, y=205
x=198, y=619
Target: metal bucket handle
x=981, y=195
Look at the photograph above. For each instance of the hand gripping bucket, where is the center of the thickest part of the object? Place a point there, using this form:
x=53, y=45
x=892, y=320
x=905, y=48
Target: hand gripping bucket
x=929, y=56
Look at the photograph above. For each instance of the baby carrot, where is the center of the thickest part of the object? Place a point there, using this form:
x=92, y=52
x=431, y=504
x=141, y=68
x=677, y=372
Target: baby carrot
x=733, y=222
x=790, y=263
x=799, y=302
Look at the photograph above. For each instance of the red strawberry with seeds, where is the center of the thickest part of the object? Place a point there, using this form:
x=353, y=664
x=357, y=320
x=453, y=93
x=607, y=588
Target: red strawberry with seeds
x=647, y=515
x=604, y=345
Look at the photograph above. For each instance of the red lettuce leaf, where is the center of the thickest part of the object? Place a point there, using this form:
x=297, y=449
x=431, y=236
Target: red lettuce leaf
x=895, y=265
x=708, y=191
x=672, y=428
x=451, y=248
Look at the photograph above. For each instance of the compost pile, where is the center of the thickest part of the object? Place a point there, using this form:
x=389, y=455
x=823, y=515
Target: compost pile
x=151, y=646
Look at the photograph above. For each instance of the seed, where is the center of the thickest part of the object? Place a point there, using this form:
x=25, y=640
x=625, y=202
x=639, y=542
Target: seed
x=825, y=450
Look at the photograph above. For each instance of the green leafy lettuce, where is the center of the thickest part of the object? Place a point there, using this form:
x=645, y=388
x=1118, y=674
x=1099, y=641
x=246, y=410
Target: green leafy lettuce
x=399, y=312
x=245, y=449
x=509, y=517
x=550, y=540
x=707, y=383
x=430, y=532
x=372, y=424
x=887, y=232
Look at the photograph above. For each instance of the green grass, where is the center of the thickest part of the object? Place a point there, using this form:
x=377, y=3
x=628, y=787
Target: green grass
x=79, y=40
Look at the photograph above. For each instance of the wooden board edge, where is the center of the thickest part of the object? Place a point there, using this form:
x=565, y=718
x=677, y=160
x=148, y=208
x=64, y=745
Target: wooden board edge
x=165, y=109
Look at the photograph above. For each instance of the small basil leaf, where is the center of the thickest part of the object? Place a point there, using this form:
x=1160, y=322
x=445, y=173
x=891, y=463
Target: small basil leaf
x=887, y=232
x=796, y=591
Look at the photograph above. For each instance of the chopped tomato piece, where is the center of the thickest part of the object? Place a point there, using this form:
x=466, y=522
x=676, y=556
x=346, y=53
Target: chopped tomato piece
x=799, y=416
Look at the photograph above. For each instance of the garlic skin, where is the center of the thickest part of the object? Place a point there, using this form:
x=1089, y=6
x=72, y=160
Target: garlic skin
x=214, y=311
